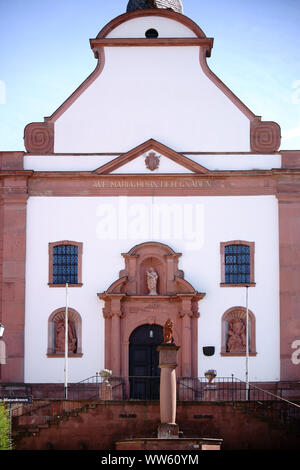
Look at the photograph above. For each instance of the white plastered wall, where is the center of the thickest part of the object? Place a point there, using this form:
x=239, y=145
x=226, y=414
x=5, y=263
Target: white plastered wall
x=152, y=92
x=137, y=166
x=111, y=226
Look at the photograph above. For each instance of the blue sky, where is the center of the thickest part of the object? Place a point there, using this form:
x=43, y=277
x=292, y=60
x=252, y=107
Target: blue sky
x=45, y=55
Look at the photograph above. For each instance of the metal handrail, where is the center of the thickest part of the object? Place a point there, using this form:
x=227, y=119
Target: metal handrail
x=277, y=397
x=226, y=389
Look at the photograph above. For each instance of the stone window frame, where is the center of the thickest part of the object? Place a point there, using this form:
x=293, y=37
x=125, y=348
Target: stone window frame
x=79, y=265
x=74, y=316
x=230, y=313
x=251, y=245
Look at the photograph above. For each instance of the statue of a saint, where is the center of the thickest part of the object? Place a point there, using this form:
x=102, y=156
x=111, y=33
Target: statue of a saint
x=168, y=331
x=236, y=335
x=152, y=278
x=60, y=337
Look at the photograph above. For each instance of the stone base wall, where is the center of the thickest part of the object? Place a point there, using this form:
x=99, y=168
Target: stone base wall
x=101, y=426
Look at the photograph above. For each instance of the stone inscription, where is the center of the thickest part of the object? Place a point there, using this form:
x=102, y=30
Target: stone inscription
x=153, y=184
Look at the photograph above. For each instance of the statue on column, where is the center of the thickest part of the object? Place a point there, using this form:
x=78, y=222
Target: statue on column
x=168, y=331
x=152, y=278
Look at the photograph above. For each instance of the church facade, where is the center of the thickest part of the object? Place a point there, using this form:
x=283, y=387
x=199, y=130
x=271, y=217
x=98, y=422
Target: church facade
x=156, y=194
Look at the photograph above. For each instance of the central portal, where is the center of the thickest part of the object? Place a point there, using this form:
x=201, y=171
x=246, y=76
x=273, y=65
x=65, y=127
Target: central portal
x=150, y=290
x=143, y=362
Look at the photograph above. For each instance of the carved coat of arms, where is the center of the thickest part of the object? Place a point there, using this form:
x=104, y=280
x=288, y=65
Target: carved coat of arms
x=152, y=161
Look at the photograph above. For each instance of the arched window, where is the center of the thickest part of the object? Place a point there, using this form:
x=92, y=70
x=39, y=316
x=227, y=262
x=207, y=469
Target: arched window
x=237, y=264
x=56, y=333
x=65, y=264
x=234, y=332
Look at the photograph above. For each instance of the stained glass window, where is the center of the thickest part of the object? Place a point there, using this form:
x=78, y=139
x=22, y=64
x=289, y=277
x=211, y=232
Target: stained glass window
x=237, y=264
x=65, y=264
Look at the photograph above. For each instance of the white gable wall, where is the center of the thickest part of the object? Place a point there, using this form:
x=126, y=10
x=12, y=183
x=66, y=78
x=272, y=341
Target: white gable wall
x=152, y=92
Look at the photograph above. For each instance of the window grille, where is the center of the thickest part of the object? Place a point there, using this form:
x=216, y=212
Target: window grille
x=65, y=264
x=237, y=264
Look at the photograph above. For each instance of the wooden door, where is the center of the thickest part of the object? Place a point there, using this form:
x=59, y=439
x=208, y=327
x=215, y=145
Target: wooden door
x=143, y=362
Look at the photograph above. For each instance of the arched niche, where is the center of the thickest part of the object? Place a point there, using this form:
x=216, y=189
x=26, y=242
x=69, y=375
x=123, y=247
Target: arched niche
x=56, y=321
x=128, y=305
x=234, y=332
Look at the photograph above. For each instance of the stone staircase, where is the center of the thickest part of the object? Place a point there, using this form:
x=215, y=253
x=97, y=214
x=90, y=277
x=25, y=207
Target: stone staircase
x=96, y=425
x=29, y=420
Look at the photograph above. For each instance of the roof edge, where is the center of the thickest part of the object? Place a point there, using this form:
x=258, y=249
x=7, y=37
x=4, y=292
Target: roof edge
x=186, y=21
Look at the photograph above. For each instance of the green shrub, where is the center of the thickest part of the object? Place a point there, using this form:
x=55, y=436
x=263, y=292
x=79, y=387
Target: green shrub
x=4, y=428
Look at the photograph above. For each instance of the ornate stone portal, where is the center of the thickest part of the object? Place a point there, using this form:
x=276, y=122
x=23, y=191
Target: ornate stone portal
x=134, y=300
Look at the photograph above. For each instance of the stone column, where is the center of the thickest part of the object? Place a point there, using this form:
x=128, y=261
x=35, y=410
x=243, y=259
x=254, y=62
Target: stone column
x=116, y=334
x=289, y=249
x=168, y=428
x=13, y=204
x=186, y=315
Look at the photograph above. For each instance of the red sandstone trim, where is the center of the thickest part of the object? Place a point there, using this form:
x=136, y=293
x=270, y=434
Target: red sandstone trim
x=11, y=160
x=172, y=15
x=70, y=355
x=265, y=137
x=87, y=184
x=144, y=42
x=39, y=137
x=289, y=247
x=64, y=285
x=224, y=284
x=237, y=354
x=290, y=159
x=12, y=276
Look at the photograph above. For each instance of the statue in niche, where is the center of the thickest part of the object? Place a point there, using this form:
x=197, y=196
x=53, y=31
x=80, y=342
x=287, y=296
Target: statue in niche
x=60, y=337
x=152, y=278
x=168, y=332
x=236, y=341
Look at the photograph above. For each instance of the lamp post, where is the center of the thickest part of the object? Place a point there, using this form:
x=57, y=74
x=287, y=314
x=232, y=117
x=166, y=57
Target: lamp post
x=2, y=328
x=247, y=345
x=66, y=345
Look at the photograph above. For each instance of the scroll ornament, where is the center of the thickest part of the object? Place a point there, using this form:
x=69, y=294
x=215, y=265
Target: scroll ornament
x=39, y=138
x=265, y=136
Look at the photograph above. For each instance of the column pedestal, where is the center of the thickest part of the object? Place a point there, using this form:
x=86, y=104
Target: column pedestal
x=210, y=393
x=168, y=428
x=105, y=391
